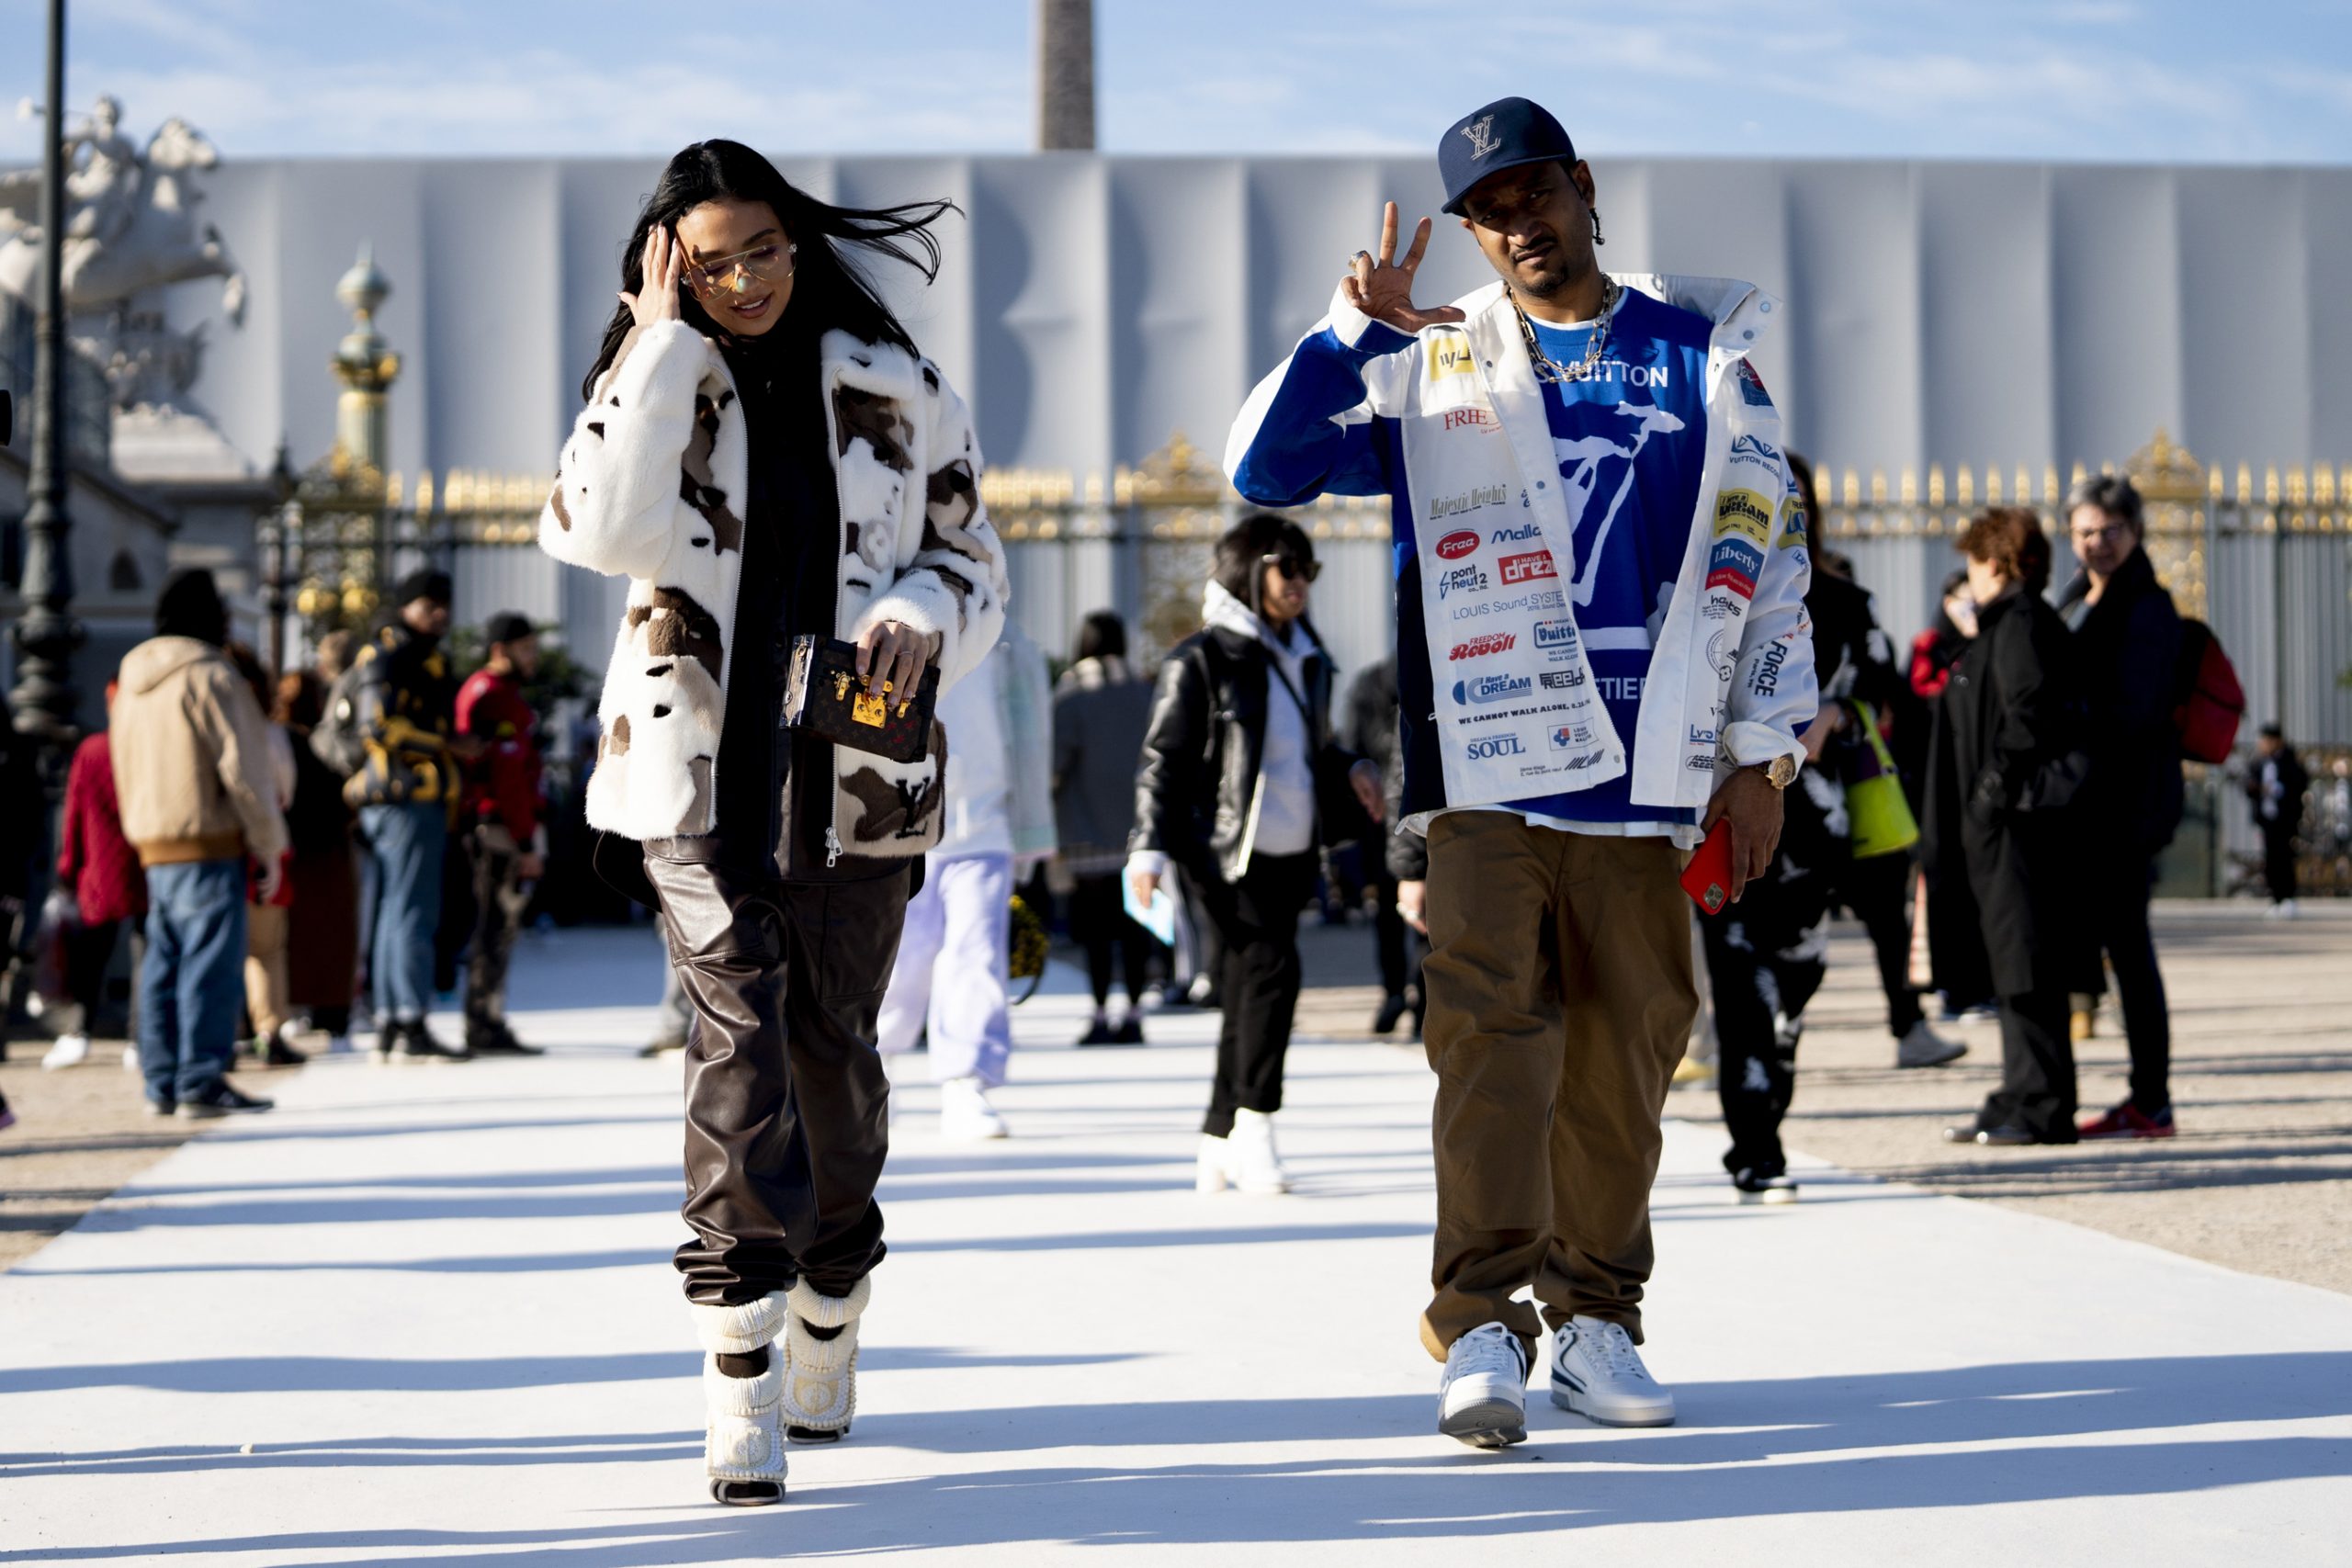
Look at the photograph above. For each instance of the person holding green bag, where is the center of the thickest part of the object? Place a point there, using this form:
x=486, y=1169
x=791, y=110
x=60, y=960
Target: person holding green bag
x=1844, y=841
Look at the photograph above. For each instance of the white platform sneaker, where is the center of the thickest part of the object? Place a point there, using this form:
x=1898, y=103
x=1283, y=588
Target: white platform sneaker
x=820, y=1375
x=964, y=1113
x=1597, y=1373
x=742, y=1417
x=1481, y=1398
x=71, y=1051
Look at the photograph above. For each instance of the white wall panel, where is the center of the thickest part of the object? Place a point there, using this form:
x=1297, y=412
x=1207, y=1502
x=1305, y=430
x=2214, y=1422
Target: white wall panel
x=1306, y=218
x=1953, y=312
x=1986, y=326
x=2244, y=291
x=939, y=316
x=1178, y=258
x=1710, y=218
x=490, y=308
x=1856, y=367
x=2327, y=309
x=2117, y=303
x=1042, y=300
x=597, y=203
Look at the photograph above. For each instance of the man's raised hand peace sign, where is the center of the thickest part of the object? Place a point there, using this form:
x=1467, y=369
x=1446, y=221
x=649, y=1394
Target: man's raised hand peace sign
x=1383, y=289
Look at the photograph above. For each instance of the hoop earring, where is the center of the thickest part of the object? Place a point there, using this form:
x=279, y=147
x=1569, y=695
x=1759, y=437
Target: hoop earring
x=1596, y=227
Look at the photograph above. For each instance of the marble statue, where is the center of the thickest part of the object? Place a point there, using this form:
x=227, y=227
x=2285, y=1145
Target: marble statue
x=131, y=225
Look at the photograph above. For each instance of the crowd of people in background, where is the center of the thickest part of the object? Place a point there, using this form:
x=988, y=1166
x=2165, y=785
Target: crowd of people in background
x=243, y=829
x=2037, y=751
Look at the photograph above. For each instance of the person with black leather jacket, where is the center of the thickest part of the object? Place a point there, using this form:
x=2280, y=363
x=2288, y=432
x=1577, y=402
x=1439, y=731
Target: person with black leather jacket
x=2128, y=641
x=1239, y=782
x=2001, y=834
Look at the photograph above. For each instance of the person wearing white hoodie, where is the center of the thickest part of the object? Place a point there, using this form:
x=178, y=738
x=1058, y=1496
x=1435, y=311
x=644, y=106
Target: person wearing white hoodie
x=953, y=954
x=1239, y=783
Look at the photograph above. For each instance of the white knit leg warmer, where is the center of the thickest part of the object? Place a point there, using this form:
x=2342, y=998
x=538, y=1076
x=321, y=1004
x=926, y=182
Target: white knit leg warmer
x=820, y=1375
x=739, y=1330
x=743, y=1422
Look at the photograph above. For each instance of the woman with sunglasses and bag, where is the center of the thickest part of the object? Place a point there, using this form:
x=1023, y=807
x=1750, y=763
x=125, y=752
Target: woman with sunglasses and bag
x=1239, y=784
x=765, y=455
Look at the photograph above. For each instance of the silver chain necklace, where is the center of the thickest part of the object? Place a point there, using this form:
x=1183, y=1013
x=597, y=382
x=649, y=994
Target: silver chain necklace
x=1551, y=371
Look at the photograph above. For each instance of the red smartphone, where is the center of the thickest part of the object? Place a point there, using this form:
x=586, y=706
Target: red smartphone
x=1708, y=877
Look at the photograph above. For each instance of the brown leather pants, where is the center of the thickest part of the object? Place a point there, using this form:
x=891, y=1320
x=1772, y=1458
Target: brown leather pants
x=787, y=1108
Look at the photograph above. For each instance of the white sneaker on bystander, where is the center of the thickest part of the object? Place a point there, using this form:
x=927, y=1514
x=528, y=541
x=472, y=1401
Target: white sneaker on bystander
x=964, y=1113
x=1252, y=1161
x=1922, y=1047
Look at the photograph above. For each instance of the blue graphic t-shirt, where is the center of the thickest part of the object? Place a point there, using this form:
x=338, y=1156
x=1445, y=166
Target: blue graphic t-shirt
x=1631, y=439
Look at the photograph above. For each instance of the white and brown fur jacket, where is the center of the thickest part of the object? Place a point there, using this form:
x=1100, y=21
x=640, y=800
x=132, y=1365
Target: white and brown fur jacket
x=649, y=488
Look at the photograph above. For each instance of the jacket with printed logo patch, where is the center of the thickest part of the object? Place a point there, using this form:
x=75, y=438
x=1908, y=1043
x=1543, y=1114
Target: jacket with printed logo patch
x=647, y=488
x=1363, y=409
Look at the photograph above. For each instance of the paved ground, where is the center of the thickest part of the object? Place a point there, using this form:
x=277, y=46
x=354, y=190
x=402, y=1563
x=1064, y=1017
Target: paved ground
x=424, y=1314
x=80, y=1136
x=2259, y=1179
x=2260, y=1176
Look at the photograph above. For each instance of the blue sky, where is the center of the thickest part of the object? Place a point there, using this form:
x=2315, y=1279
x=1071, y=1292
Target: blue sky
x=2261, y=81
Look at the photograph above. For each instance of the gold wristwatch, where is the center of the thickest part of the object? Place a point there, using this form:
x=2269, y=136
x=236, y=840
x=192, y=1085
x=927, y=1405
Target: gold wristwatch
x=1780, y=773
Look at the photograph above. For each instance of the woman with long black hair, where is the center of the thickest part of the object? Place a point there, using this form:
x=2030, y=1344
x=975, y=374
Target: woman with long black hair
x=1239, y=784
x=766, y=455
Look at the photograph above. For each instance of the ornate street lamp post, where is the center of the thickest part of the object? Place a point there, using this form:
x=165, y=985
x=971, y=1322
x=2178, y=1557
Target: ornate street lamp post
x=48, y=635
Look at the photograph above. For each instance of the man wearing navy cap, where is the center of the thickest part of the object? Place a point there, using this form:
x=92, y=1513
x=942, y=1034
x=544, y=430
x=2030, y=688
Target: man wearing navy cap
x=1601, y=653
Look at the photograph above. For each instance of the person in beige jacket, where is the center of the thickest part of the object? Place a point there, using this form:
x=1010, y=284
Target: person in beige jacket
x=192, y=774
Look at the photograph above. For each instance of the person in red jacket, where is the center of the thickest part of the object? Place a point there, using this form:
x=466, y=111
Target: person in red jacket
x=98, y=863
x=1937, y=650
x=497, y=731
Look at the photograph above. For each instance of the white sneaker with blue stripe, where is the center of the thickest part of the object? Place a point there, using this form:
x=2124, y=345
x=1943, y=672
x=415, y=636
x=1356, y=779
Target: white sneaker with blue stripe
x=1597, y=1373
x=1482, y=1399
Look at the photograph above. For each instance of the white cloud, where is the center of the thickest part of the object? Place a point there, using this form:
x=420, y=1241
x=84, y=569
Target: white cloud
x=2012, y=78
x=252, y=102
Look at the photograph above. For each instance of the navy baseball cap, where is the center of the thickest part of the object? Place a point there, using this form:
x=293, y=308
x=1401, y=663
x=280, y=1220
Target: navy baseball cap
x=1502, y=135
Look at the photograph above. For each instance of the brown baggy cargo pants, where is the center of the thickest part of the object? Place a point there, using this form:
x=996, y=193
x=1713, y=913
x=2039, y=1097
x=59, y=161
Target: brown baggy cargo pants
x=1560, y=996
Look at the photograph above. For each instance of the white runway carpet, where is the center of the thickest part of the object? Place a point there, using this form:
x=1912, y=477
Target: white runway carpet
x=426, y=1314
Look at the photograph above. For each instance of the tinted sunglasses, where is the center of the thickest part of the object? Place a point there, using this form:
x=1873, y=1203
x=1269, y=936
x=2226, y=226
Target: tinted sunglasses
x=1293, y=567
x=736, y=274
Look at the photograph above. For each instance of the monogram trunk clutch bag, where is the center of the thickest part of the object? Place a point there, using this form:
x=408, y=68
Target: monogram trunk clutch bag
x=824, y=694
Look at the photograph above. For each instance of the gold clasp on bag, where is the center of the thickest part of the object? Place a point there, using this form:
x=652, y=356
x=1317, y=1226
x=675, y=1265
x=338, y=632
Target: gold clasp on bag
x=869, y=709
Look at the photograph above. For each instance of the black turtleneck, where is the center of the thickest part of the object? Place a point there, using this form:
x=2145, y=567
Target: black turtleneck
x=791, y=545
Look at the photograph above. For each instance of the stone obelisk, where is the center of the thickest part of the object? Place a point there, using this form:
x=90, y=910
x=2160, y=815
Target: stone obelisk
x=1065, y=76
